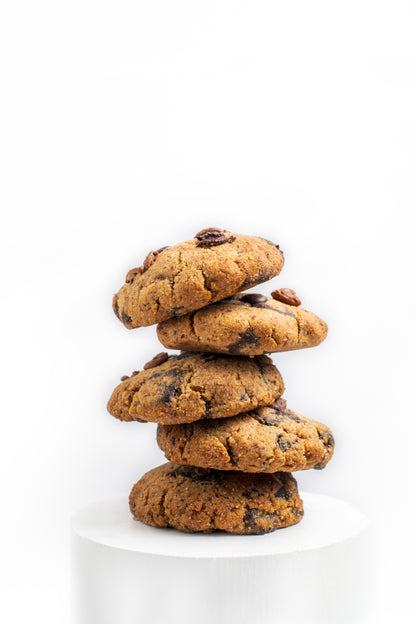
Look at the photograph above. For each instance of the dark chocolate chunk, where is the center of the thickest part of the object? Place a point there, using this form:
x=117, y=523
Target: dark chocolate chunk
x=125, y=317
x=272, y=420
x=282, y=493
x=253, y=517
x=169, y=392
x=213, y=231
x=245, y=339
x=211, y=237
x=284, y=445
x=327, y=438
x=254, y=298
x=203, y=475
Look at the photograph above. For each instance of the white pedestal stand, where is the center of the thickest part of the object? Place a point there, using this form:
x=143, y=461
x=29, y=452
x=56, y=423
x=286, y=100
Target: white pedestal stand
x=128, y=573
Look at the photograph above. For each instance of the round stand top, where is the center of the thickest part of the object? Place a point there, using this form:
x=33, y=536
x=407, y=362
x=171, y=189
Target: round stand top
x=326, y=521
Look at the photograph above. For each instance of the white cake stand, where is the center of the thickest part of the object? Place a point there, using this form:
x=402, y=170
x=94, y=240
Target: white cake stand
x=128, y=573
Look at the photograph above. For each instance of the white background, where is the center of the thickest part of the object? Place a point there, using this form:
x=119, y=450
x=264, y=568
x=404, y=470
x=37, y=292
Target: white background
x=126, y=126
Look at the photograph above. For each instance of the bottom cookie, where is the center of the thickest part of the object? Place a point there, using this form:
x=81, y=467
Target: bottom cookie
x=202, y=500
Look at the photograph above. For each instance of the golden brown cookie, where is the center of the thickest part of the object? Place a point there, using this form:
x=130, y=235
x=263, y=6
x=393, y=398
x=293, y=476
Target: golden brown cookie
x=192, y=500
x=191, y=386
x=248, y=324
x=185, y=277
x=264, y=440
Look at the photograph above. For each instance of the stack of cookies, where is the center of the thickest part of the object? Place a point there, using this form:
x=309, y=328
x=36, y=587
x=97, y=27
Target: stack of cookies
x=231, y=441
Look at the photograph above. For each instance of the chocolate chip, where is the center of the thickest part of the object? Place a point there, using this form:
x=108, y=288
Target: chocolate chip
x=270, y=419
x=212, y=241
x=158, y=359
x=286, y=295
x=150, y=258
x=132, y=274
x=254, y=298
x=210, y=231
x=279, y=405
x=282, y=493
x=162, y=248
x=327, y=438
x=254, y=518
x=115, y=308
x=124, y=378
x=211, y=237
x=294, y=417
x=134, y=373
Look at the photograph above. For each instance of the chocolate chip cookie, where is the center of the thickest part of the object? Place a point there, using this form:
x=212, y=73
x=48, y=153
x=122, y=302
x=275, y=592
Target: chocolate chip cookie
x=267, y=439
x=193, y=500
x=191, y=386
x=179, y=279
x=249, y=324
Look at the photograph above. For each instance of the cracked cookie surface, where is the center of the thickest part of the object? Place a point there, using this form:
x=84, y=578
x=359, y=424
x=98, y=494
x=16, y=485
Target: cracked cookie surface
x=243, y=328
x=192, y=386
x=264, y=440
x=194, y=500
x=187, y=276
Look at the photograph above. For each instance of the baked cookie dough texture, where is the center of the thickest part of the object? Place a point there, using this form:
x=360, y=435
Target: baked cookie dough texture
x=231, y=441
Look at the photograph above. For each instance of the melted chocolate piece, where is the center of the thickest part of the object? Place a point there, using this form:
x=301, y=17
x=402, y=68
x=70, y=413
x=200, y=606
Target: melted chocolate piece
x=253, y=517
x=125, y=317
x=169, y=392
x=245, y=339
x=203, y=475
x=282, y=493
x=264, y=276
x=284, y=312
x=284, y=445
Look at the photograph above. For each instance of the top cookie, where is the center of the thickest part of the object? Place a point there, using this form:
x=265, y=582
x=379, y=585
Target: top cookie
x=249, y=324
x=180, y=279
